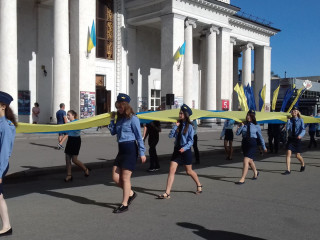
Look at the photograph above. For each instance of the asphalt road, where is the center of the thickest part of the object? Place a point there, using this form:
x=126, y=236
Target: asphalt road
x=42, y=206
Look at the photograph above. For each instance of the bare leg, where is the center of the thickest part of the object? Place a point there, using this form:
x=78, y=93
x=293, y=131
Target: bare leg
x=172, y=171
x=300, y=158
x=4, y=215
x=126, y=183
x=231, y=150
x=226, y=149
x=193, y=174
x=253, y=167
x=116, y=176
x=63, y=139
x=288, y=159
x=245, y=169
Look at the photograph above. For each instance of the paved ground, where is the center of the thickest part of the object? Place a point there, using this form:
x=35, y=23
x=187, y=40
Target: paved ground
x=42, y=206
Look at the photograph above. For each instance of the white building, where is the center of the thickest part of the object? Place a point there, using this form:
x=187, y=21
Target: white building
x=43, y=52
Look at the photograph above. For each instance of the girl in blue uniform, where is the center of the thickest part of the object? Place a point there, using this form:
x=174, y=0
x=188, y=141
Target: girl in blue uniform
x=227, y=133
x=8, y=125
x=183, y=133
x=72, y=148
x=296, y=131
x=250, y=133
x=128, y=131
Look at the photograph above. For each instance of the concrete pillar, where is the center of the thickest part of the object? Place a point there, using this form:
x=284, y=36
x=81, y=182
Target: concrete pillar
x=61, y=56
x=8, y=50
x=232, y=43
x=211, y=71
x=223, y=67
x=172, y=37
x=188, y=63
x=262, y=72
x=235, y=78
x=246, y=64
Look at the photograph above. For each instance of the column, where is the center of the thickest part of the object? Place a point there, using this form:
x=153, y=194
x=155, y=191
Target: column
x=231, y=84
x=211, y=79
x=223, y=67
x=262, y=72
x=188, y=63
x=172, y=37
x=61, y=57
x=8, y=50
x=246, y=64
x=236, y=56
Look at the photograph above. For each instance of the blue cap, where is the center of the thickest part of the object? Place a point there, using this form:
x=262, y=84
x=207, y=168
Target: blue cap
x=5, y=98
x=123, y=98
x=185, y=108
x=295, y=108
x=251, y=111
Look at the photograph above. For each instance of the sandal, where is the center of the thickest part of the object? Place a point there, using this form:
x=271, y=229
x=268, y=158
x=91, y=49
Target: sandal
x=163, y=196
x=87, y=172
x=198, y=192
x=68, y=178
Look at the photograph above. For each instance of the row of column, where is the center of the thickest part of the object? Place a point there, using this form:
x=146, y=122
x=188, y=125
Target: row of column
x=8, y=53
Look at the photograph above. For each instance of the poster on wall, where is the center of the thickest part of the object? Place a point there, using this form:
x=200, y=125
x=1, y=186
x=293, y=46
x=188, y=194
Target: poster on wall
x=87, y=104
x=178, y=102
x=24, y=102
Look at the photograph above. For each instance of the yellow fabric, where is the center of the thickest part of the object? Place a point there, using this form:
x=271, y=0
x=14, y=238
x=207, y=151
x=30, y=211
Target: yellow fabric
x=275, y=98
x=296, y=99
x=90, y=45
x=263, y=96
x=241, y=97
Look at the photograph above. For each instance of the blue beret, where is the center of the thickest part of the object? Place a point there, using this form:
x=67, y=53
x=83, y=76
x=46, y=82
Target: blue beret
x=5, y=98
x=185, y=108
x=295, y=108
x=123, y=98
x=251, y=111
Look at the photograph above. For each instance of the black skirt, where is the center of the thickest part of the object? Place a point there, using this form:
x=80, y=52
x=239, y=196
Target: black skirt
x=127, y=155
x=294, y=144
x=228, y=135
x=184, y=158
x=249, y=147
x=73, y=145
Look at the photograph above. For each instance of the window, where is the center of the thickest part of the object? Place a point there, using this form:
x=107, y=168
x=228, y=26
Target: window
x=155, y=99
x=104, y=29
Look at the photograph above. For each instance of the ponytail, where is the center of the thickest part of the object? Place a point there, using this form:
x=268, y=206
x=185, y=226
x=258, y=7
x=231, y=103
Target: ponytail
x=10, y=115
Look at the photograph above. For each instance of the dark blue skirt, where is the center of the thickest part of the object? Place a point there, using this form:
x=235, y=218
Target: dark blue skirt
x=249, y=147
x=294, y=144
x=127, y=155
x=73, y=145
x=3, y=175
x=184, y=158
x=228, y=135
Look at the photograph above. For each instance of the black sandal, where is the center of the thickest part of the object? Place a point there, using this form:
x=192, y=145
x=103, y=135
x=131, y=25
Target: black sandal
x=85, y=172
x=163, y=196
x=198, y=192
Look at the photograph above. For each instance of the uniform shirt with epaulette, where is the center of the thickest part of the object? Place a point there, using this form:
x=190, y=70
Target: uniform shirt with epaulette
x=7, y=135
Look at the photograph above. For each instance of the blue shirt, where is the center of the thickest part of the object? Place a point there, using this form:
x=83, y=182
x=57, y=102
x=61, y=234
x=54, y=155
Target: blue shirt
x=60, y=116
x=186, y=139
x=195, y=126
x=228, y=124
x=255, y=132
x=300, y=130
x=7, y=135
x=128, y=130
x=74, y=133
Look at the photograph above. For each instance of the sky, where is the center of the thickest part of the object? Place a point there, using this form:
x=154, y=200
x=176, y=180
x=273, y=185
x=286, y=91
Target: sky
x=296, y=49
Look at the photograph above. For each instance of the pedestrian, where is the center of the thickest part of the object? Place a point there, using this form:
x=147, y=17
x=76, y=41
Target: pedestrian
x=128, y=131
x=72, y=149
x=312, y=132
x=8, y=125
x=250, y=133
x=296, y=131
x=35, y=113
x=152, y=130
x=274, y=132
x=227, y=133
x=183, y=133
x=61, y=116
x=195, y=141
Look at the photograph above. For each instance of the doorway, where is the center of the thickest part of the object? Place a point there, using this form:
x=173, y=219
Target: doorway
x=103, y=96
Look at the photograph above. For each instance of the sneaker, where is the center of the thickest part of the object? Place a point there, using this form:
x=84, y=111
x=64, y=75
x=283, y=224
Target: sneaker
x=121, y=209
x=286, y=172
x=156, y=169
x=302, y=168
x=60, y=146
x=151, y=170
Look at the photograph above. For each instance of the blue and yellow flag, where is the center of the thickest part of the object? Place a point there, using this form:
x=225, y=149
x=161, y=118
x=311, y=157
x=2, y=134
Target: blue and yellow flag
x=92, y=39
x=183, y=48
x=262, y=98
x=275, y=98
x=299, y=94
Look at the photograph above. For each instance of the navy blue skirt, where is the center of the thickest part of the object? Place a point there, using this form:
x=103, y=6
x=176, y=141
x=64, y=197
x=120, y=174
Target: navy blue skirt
x=184, y=158
x=2, y=177
x=249, y=147
x=127, y=155
x=294, y=144
x=228, y=135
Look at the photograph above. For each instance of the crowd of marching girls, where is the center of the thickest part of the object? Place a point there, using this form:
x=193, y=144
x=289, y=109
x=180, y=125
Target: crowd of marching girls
x=126, y=126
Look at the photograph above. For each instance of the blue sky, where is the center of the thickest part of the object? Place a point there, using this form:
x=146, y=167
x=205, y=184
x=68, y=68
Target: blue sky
x=296, y=49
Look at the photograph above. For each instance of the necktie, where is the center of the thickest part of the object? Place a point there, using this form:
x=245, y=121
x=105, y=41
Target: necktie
x=293, y=128
x=248, y=131
x=179, y=138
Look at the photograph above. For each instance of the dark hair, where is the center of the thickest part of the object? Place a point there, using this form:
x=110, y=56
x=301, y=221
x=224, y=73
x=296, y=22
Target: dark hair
x=73, y=113
x=128, y=111
x=253, y=118
x=36, y=104
x=9, y=114
x=188, y=123
x=62, y=105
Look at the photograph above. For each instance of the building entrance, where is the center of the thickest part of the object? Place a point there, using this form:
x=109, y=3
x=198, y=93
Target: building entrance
x=103, y=96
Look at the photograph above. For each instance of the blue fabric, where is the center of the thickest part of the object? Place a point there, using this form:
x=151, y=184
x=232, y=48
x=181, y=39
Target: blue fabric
x=255, y=132
x=184, y=158
x=186, y=139
x=74, y=133
x=123, y=98
x=297, y=103
x=260, y=101
x=249, y=147
x=128, y=130
x=299, y=129
x=253, y=101
x=127, y=155
x=195, y=127
x=185, y=108
x=228, y=124
x=5, y=98
x=286, y=99
x=7, y=135
x=312, y=126
x=60, y=114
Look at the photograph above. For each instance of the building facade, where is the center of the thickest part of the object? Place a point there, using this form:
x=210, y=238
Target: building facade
x=44, y=57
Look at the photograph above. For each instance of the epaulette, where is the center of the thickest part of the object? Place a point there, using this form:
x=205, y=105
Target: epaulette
x=10, y=123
